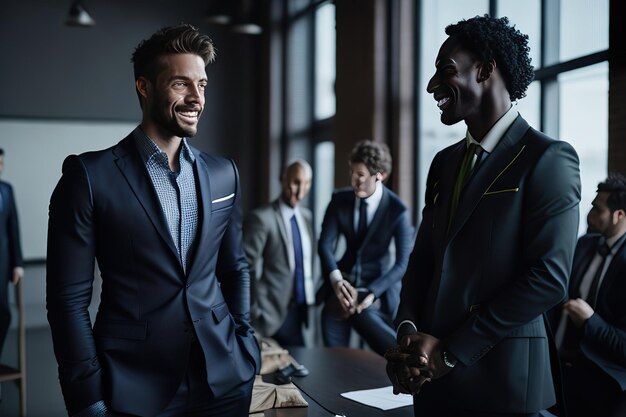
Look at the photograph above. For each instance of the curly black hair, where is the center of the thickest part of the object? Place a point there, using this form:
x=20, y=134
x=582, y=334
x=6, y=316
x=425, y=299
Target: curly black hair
x=492, y=38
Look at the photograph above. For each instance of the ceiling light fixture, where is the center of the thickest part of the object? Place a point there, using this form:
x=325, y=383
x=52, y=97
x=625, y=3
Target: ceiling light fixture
x=79, y=16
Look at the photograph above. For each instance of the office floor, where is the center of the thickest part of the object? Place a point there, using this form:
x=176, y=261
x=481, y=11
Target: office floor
x=44, y=397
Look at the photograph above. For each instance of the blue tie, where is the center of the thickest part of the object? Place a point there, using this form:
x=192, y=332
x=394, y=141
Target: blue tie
x=299, y=261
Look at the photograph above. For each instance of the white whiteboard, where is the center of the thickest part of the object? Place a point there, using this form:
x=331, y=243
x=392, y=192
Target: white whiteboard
x=34, y=154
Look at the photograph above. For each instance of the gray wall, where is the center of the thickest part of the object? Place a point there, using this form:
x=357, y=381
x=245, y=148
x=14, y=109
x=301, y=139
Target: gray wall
x=50, y=71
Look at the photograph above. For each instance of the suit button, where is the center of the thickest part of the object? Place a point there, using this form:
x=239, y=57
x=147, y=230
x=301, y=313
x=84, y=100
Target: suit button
x=187, y=285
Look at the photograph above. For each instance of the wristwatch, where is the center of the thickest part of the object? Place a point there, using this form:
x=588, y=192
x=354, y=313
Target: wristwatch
x=448, y=359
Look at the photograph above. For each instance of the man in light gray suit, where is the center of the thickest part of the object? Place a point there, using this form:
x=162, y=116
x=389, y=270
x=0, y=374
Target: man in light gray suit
x=279, y=243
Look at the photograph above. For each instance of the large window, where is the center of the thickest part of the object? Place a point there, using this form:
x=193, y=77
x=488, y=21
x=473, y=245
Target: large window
x=569, y=97
x=309, y=90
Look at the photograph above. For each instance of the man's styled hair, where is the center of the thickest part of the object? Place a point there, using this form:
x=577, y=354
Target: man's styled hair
x=615, y=185
x=374, y=155
x=1, y=152
x=181, y=39
x=493, y=39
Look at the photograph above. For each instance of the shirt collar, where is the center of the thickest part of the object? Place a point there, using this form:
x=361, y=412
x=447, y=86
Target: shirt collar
x=615, y=242
x=287, y=211
x=496, y=132
x=150, y=150
x=377, y=195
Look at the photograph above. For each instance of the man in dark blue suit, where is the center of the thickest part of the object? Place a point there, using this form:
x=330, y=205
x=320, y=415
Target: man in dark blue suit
x=11, y=268
x=163, y=221
x=362, y=289
x=592, y=331
x=495, y=246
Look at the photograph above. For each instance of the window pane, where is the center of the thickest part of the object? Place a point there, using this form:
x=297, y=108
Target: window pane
x=583, y=119
x=325, y=61
x=526, y=16
x=323, y=179
x=433, y=135
x=297, y=6
x=298, y=76
x=584, y=27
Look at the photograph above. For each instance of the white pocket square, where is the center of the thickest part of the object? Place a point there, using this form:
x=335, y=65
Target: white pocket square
x=219, y=200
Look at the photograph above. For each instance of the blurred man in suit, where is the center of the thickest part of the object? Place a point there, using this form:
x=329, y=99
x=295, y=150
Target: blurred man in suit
x=362, y=289
x=11, y=267
x=279, y=243
x=592, y=332
x=495, y=245
x=163, y=220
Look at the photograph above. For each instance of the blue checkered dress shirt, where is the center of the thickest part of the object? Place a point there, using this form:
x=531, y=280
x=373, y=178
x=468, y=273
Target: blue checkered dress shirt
x=176, y=191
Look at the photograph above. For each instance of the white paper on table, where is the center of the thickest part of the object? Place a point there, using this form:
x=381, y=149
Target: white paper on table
x=382, y=398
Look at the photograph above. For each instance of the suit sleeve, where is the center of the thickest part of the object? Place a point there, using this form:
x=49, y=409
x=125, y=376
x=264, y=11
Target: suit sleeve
x=550, y=223
x=15, y=247
x=328, y=240
x=232, y=267
x=403, y=234
x=254, y=240
x=419, y=271
x=69, y=279
x=606, y=339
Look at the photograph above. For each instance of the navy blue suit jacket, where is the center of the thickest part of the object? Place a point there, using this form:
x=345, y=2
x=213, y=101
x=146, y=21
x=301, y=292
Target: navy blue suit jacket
x=105, y=208
x=604, y=333
x=369, y=261
x=10, y=253
x=10, y=248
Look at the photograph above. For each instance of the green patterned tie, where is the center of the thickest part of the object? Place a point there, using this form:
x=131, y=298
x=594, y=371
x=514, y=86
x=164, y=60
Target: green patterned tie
x=464, y=174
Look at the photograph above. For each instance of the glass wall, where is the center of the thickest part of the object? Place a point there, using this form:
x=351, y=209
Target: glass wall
x=310, y=93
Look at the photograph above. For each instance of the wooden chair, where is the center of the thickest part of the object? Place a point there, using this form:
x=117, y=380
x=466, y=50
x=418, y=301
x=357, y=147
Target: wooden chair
x=18, y=375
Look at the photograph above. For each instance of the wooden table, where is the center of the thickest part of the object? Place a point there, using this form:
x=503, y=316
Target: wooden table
x=333, y=371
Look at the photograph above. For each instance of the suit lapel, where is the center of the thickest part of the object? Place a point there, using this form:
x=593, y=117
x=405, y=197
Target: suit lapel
x=130, y=164
x=508, y=150
x=203, y=190
x=581, y=264
x=612, y=273
x=281, y=228
x=448, y=173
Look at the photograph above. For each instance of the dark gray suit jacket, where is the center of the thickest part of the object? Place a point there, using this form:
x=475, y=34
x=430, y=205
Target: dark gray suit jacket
x=266, y=246
x=603, y=338
x=483, y=286
x=105, y=208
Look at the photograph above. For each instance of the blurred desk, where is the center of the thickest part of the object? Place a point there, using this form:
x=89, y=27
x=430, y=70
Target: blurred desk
x=333, y=371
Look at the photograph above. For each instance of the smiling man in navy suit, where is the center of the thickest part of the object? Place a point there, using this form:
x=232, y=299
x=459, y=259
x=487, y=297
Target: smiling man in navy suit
x=163, y=221
x=495, y=246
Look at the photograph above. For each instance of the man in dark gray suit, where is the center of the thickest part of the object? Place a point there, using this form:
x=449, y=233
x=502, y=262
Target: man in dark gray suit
x=279, y=243
x=11, y=268
x=495, y=246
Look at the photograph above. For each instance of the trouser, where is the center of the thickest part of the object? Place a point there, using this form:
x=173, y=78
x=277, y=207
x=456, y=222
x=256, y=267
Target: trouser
x=371, y=324
x=290, y=332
